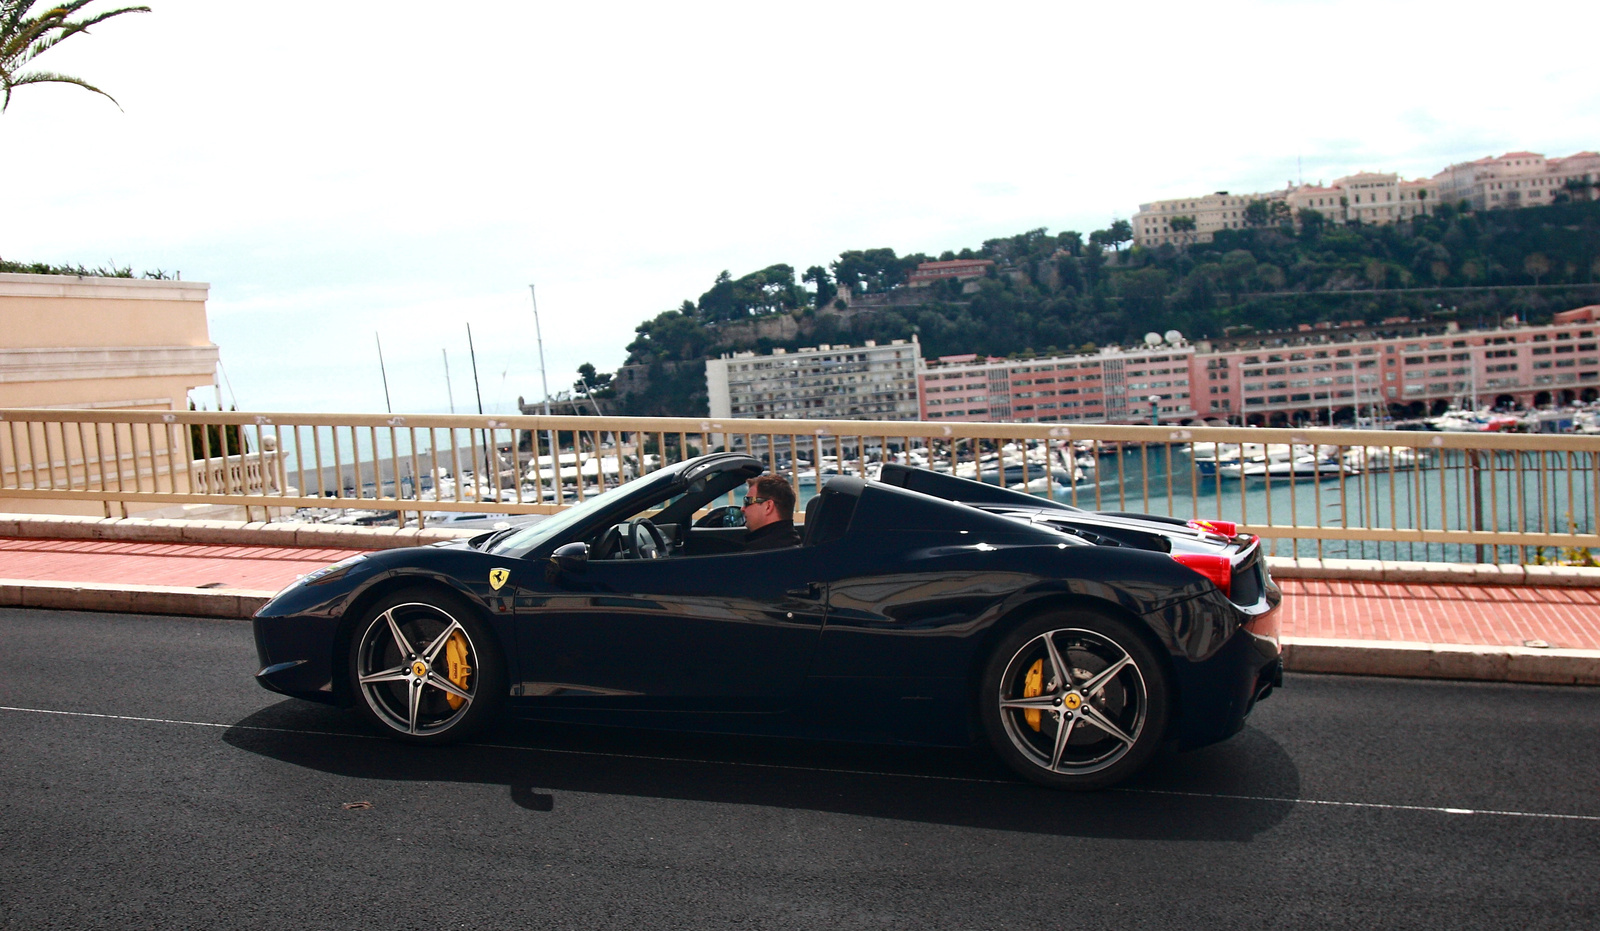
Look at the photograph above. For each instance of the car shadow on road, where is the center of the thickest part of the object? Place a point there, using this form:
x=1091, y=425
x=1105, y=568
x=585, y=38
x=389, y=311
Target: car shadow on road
x=1229, y=792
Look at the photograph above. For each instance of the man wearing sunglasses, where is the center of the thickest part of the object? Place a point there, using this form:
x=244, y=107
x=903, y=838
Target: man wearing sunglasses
x=769, y=514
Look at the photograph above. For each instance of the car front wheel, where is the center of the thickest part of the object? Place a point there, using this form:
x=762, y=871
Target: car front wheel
x=1074, y=701
x=425, y=668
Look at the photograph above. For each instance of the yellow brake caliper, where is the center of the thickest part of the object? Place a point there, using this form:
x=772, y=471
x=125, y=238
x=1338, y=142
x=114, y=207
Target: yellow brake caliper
x=1033, y=687
x=455, y=654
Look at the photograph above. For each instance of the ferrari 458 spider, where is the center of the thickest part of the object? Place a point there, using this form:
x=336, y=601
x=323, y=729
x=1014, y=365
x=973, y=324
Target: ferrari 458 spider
x=920, y=608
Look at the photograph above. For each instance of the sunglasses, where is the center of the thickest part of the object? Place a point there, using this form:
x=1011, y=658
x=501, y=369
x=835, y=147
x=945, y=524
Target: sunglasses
x=749, y=501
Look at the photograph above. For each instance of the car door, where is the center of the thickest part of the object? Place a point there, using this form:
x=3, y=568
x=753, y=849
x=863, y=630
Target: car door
x=729, y=633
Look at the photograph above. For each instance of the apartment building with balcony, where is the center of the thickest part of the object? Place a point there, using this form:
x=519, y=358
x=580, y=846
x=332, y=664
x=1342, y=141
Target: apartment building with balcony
x=869, y=382
x=1112, y=385
x=1400, y=368
x=1397, y=368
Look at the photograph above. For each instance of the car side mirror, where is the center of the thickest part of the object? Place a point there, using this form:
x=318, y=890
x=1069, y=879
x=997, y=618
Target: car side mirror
x=571, y=557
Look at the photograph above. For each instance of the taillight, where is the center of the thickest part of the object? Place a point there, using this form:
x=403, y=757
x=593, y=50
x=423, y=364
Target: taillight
x=1219, y=569
x=1225, y=527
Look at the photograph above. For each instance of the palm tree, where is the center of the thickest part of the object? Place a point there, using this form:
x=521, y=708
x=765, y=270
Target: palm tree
x=24, y=37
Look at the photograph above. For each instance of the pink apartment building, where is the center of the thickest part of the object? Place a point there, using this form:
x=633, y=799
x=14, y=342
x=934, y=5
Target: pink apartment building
x=1114, y=385
x=1399, y=368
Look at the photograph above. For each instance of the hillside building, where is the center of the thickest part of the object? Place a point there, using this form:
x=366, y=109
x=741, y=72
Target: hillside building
x=960, y=269
x=1368, y=197
x=1515, y=179
x=1520, y=179
x=869, y=382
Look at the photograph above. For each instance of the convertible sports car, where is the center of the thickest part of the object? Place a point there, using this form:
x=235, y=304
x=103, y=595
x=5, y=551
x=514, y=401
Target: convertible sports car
x=920, y=608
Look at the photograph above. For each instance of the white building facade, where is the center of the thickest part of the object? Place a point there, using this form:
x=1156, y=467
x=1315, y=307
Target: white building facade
x=869, y=382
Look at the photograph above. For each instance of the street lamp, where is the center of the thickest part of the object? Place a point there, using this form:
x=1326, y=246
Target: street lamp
x=1155, y=410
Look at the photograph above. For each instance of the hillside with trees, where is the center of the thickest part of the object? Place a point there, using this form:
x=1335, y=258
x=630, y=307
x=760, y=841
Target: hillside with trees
x=1049, y=294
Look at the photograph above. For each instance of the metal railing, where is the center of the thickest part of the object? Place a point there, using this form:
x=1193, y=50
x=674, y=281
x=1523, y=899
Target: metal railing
x=1468, y=497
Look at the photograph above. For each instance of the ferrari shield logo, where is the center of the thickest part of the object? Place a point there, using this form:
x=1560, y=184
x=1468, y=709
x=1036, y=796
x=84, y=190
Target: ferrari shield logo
x=497, y=578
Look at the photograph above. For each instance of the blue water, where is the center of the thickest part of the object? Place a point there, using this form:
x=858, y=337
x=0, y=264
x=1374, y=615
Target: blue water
x=1550, y=493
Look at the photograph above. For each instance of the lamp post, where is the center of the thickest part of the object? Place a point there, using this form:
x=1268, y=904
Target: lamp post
x=1155, y=410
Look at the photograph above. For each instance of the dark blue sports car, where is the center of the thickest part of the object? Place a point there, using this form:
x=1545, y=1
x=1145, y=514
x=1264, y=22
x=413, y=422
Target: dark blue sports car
x=920, y=608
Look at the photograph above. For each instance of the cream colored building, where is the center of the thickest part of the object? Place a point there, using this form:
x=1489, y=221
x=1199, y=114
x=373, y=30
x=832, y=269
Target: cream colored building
x=1520, y=179
x=1152, y=225
x=73, y=343
x=89, y=343
x=1370, y=197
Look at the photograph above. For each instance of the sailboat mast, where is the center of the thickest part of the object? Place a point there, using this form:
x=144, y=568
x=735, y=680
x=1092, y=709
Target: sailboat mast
x=448, y=391
x=538, y=335
x=384, y=372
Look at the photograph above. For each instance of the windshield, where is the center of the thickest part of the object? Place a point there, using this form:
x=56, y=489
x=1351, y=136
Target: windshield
x=535, y=535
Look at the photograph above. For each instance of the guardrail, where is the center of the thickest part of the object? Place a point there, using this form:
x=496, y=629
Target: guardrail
x=1467, y=497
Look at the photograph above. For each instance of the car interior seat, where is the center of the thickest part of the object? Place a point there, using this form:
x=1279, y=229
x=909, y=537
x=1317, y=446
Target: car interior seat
x=827, y=517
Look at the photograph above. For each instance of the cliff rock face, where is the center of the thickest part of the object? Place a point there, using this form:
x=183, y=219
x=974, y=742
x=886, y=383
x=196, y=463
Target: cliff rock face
x=776, y=327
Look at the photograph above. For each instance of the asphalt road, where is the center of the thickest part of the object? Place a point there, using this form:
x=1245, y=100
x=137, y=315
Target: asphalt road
x=146, y=781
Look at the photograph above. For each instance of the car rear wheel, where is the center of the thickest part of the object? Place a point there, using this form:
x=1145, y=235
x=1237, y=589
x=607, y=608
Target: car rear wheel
x=1074, y=701
x=425, y=668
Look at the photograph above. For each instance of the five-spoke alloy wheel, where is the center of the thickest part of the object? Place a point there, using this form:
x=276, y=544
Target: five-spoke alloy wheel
x=425, y=668
x=1074, y=701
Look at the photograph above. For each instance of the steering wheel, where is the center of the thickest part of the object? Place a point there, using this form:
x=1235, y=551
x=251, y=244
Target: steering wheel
x=645, y=541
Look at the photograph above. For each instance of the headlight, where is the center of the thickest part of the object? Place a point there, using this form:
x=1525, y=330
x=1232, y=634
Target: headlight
x=335, y=571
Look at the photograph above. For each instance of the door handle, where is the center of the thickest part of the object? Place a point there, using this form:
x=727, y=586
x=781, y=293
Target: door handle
x=810, y=590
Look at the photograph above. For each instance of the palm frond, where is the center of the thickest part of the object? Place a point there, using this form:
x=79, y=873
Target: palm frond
x=84, y=24
x=50, y=77
x=24, y=37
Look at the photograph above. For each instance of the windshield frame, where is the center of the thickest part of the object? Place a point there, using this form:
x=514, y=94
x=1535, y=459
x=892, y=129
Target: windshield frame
x=540, y=538
x=581, y=521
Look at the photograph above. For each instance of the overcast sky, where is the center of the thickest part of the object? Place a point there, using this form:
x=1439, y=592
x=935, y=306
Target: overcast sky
x=336, y=170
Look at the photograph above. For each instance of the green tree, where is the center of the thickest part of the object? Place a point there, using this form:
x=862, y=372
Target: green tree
x=818, y=276
x=1537, y=266
x=1184, y=225
x=770, y=290
x=25, y=37
x=591, y=380
x=1071, y=241
x=1121, y=231
x=1257, y=213
x=215, y=441
x=869, y=270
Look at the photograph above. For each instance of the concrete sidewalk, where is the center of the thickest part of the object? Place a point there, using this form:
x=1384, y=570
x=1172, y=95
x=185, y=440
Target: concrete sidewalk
x=1364, y=618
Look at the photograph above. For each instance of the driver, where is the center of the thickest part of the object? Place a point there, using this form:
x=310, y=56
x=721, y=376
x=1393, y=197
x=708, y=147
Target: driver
x=769, y=514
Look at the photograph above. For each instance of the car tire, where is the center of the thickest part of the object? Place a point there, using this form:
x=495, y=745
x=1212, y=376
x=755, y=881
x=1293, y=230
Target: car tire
x=425, y=667
x=1093, y=730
